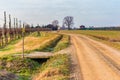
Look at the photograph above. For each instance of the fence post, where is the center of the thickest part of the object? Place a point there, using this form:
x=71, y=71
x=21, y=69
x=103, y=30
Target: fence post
x=23, y=31
x=5, y=29
x=10, y=31
x=20, y=29
x=14, y=29
x=17, y=28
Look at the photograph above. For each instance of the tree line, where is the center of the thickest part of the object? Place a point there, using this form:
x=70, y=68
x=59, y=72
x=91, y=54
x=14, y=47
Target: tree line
x=15, y=31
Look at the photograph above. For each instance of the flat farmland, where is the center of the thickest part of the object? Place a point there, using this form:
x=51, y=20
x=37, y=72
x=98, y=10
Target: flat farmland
x=111, y=38
x=32, y=42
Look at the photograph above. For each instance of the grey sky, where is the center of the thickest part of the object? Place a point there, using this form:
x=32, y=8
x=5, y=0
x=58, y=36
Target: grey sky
x=86, y=12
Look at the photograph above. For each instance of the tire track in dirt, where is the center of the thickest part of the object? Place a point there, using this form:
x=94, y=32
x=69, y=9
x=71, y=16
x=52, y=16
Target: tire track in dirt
x=75, y=69
x=94, y=64
x=107, y=59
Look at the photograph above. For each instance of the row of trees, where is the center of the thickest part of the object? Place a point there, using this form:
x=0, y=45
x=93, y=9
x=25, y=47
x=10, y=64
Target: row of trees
x=15, y=31
x=68, y=23
x=11, y=32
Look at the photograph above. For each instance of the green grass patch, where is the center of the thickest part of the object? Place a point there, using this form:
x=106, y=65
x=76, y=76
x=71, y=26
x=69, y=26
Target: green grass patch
x=22, y=67
x=63, y=43
x=56, y=68
x=49, y=46
x=10, y=45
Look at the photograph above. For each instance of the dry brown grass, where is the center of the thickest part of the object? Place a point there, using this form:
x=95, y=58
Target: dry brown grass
x=56, y=68
x=111, y=38
x=47, y=74
x=31, y=43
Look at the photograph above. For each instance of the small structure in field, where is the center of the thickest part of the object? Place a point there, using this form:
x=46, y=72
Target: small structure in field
x=82, y=27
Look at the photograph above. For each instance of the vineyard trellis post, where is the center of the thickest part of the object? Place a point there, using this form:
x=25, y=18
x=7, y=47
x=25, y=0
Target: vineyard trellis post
x=5, y=29
x=23, y=31
x=0, y=37
x=10, y=30
x=2, y=43
x=14, y=29
x=20, y=29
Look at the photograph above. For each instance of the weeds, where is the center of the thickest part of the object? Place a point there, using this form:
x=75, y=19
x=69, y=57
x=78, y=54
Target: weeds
x=63, y=43
x=56, y=68
x=23, y=67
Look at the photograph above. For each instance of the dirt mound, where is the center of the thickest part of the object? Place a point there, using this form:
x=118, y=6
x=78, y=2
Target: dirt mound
x=4, y=75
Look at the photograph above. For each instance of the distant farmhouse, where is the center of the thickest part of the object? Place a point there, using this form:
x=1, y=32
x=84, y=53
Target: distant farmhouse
x=54, y=28
x=82, y=27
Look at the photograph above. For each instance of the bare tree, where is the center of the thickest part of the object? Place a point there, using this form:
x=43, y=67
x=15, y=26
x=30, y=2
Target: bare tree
x=68, y=21
x=55, y=23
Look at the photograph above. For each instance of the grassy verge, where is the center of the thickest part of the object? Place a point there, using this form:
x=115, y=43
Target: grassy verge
x=49, y=46
x=10, y=45
x=23, y=68
x=63, y=43
x=56, y=68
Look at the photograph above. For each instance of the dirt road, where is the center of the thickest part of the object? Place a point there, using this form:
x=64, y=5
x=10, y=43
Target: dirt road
x=97, y=61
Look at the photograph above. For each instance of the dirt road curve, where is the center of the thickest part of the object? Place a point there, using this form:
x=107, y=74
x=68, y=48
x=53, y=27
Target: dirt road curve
x=97, y=61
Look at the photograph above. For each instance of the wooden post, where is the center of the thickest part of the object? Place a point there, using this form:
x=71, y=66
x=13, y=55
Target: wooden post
x=2, y=42
x=23, y=31
x=14, y=29
x=10, y=31
x=5, y=29
x=17, y=28
x=0, y=37
x=20, y=29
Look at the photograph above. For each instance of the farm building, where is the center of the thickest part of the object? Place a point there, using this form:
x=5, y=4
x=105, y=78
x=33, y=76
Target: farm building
x=52, y=27
x=82, y=27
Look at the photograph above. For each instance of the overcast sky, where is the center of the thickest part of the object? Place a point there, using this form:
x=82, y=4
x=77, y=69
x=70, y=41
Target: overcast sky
x=85, y=12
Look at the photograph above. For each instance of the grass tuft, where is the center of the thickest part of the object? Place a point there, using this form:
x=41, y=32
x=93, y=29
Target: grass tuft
x=63, y=43
x=56, y=68
x=22, y=67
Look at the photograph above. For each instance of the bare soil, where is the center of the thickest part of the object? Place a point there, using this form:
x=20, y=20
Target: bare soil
x=94, y=60
x=4, y=75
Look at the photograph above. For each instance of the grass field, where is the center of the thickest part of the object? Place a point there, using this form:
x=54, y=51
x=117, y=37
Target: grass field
x=32, y=42
x=111, y=38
